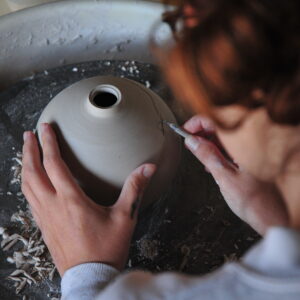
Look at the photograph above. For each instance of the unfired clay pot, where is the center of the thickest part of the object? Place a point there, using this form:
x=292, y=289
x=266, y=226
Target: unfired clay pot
x=109, y=126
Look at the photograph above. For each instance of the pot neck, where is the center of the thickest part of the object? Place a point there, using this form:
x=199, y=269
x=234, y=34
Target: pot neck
x=104, y=101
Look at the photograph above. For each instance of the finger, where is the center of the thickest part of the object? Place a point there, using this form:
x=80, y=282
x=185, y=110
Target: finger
x=58, y=172
x=132, y=192
x=33, y=202
x=198, y=124
x=33, y=174
x=204, y=127
x=209, y=155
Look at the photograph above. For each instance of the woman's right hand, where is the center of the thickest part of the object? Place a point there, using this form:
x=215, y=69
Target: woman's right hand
x=76, y=229
x=258, y=203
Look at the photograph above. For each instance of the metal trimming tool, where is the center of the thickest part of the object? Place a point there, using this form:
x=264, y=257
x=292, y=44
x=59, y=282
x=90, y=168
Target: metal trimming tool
x=178, y=129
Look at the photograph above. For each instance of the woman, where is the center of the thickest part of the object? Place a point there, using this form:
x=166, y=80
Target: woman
x=236, y=62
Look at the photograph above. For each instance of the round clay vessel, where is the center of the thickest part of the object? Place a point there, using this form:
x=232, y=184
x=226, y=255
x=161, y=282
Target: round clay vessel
x=107, y=127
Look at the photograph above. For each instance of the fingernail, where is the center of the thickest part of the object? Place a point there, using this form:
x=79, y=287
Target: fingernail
x=192, y=142
x=25, y=135
x=148, y=171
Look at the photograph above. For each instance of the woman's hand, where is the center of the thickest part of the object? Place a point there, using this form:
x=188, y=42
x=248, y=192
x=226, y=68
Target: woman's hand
x=75, y=229
x=258, y=203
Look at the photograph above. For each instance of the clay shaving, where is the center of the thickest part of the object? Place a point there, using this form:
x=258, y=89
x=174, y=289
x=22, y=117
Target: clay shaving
x=26, y=249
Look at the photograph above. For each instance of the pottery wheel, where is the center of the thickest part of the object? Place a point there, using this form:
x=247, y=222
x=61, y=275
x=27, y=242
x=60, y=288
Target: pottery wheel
x=190, y=229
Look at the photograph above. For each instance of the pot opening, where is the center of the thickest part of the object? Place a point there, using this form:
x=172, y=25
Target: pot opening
x=105, y=99
x=105, y=96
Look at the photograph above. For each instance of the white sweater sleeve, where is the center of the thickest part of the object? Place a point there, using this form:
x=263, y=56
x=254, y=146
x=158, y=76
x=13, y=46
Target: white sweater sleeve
x=96, y=281
x=86, y=281
x=269, y=271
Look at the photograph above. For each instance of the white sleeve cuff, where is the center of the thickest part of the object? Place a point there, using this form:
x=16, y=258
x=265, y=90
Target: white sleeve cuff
x=85, y=281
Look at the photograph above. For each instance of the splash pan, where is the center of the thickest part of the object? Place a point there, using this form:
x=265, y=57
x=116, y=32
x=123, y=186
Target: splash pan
x=66, y=32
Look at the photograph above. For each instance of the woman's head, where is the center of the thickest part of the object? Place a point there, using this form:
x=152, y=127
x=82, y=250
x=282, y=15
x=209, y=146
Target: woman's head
x=243, y=52
x=238, y=61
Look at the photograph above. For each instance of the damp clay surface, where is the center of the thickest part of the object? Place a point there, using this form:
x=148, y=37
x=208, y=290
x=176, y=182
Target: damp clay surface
x=190, y=229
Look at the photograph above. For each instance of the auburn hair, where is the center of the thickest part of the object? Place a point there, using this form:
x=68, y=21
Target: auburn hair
x=238, y=52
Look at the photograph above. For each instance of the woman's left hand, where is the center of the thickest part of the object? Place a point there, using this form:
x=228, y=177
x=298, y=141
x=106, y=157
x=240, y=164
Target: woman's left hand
x=258, y=203
x=75, y=229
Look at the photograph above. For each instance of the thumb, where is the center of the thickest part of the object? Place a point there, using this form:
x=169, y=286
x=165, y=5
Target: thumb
x=208, y=154
x=133, y=189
